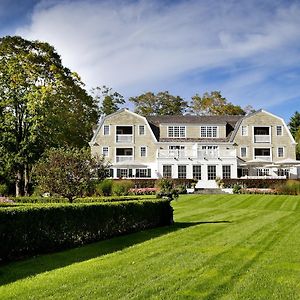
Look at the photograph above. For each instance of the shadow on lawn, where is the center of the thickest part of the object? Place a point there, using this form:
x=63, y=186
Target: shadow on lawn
x=43, y=263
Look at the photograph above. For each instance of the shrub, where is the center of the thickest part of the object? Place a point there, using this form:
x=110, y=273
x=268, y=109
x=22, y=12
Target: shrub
x=252, y=183
x=104, y=188
x=166, y=189
x=3, y=189
x=290, y=187
x=237, y=189
x=181, y=189
x=121, y=187
x=33, y=229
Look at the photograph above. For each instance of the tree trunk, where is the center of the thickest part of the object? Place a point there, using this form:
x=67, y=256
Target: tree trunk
x=26, y=180
x=18, y=183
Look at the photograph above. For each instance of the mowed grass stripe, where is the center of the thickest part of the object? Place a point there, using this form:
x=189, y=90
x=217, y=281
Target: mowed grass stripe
x=202, y=261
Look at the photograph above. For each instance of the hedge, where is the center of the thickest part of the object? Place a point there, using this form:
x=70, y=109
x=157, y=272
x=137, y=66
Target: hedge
x=27, y=230
x=51, y=199
x=253, y=183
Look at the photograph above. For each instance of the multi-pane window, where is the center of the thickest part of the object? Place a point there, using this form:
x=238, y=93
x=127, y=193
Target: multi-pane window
x=106, y=129
x=243, y=151
x=211, y=172
x=245, y=172
x=262, y=172
x=283, y=172
x=279, y=130
x=244, y=130
x=197, y=172
x=181, y=171
x=105, y=151
x=141, y=129
x=167, y=171
x=143, y=151
x=140, y=173
x=226, y=171
x=280, y=152
x=209, y=131
x=209, y=147
x=176, y=131
x=122, y=173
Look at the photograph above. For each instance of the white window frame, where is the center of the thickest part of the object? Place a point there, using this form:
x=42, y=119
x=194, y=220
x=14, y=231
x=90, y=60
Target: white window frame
x=226, y=172
x=106, y=126
x=207, y=131
x=281, y=130
x=171, y=170
x=244, y=130
x=198, y=172
x=182, y=172
x=105, y=147
x=144, y=129
x=209, y=172
x=280, y=147
x=244, y=147
x=176, y=131
x=143, y=147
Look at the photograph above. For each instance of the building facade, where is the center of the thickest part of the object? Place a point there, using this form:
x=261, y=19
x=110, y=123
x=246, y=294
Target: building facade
x=258, y=145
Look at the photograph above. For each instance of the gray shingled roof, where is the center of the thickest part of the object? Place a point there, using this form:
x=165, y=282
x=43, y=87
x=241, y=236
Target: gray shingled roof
x=229, y=121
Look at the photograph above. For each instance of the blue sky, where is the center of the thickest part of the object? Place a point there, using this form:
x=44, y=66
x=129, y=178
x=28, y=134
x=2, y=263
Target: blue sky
x=247, y=49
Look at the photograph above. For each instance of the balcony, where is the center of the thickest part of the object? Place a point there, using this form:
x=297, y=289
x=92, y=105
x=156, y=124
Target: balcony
x=263, y=158
x=262, y=138
x=124, y=138
x=122, y=158
x=196, y=154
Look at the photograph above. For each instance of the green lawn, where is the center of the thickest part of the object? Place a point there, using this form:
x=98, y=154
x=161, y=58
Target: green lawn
x=221, y=247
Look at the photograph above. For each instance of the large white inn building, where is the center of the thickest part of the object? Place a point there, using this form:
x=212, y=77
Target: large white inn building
x=258, y=145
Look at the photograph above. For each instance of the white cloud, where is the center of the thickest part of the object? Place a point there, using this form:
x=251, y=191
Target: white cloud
x=136, y=44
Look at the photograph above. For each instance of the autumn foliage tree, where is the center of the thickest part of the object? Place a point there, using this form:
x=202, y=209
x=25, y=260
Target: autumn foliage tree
x=162, y=103
x=42, y=104
x=214, y=103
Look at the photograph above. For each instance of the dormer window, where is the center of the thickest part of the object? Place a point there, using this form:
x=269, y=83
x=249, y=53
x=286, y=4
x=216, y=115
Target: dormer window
x=209, y=131
x=176, y=131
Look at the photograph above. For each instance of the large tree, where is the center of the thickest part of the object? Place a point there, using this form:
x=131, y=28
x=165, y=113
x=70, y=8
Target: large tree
x=294, y=123
x=42, y=104
x=162, y=103
x=214, y=103
x=109, y=100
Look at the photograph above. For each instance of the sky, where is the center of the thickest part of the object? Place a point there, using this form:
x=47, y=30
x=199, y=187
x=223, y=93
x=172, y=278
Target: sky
x=247, y=49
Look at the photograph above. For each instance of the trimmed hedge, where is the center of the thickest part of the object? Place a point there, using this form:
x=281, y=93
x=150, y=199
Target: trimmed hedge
x=51, y=199
x=253, y=183
x=34, y=229
x=151, y=183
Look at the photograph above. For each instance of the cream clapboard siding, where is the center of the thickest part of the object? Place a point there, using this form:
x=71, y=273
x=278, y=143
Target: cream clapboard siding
x=264, y=119
x=126, y=118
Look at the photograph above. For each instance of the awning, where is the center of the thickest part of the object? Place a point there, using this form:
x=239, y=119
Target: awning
x=288, y=162
x=129, y=165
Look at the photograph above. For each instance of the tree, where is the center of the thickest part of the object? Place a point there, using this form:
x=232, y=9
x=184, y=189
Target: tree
x=297, y=139
x=109, y=99
x=214, y=104
x=42, y=104
x=162, y=103
x=294, y=123
x=68, y=171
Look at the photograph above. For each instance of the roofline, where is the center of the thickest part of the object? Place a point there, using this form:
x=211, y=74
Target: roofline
x=103, y=118
x=237, y=126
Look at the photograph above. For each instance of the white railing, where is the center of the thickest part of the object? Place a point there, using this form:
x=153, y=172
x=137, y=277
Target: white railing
x=263, y=158
x=124, y=138
x=121, y=158
x=262, y=138
x=264, y=177
x=196, y=154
